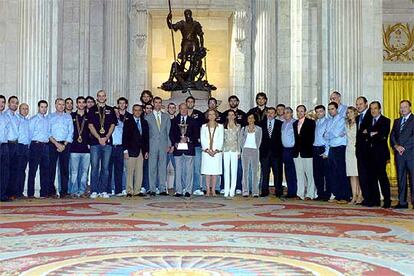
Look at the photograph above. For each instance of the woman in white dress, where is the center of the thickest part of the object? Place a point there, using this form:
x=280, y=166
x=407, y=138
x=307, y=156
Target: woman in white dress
x=211, y=138
x=350, y=156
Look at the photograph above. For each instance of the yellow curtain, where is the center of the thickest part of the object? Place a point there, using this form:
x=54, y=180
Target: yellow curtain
x=397, y=87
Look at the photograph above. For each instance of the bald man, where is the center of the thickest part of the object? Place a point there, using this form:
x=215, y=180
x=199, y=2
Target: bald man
x=22, y=153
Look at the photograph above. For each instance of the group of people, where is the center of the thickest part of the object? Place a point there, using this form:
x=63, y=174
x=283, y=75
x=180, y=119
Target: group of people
x=334, y=153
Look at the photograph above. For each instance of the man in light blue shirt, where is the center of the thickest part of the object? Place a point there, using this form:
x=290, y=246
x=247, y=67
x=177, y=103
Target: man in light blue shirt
x=22, y=148
x=39, y=151
x=4, y=150
x=12, y=136
x=320, y=158
x=61, y=135
x=335, y=136
x=288, y=142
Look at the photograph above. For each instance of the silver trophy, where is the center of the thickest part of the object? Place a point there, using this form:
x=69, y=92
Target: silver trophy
x=183, y=145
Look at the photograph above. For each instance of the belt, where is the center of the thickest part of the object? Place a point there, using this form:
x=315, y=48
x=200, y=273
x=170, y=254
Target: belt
x=39, y=142
x=117, y=146
x=319, y=147
x=12, y=141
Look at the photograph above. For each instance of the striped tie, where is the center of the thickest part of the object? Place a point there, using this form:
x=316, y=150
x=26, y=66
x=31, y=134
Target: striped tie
x=402, y=124
x=269, y=129
x=158, y=121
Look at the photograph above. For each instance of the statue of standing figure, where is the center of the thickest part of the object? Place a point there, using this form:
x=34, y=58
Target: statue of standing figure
x=187, y=71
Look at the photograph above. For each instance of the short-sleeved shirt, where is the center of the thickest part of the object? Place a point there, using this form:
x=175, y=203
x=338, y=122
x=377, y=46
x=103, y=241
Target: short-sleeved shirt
x=83, y=145
x=93, y=117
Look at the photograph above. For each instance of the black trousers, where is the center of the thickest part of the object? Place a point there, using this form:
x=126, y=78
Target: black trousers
x=12, y=170
x=405, y=169
x=39, y=157
x=320, y=173
x=4, y=173
x=63, y=159
x=363, y=173
x=338, y=182
x=116, y=169
x=22, y=156
x=269, y=162
x=377, y=173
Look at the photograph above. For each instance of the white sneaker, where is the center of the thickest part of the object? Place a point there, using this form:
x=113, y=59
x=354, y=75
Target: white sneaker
x=94, y=195
x=157, y=191
x=198, y=193
x=143, y=190
x=113, y=192
x=124, y=193
x=222, y=192
x=104, y=195
x=120, y=194
x=238, y=192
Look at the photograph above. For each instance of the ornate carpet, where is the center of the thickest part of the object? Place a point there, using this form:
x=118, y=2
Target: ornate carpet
x=203, y=236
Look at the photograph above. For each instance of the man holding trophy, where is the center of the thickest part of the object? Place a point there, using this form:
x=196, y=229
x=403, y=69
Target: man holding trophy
x=182, y=136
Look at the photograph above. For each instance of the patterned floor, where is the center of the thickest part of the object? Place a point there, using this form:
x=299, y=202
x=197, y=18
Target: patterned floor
x=203, y=236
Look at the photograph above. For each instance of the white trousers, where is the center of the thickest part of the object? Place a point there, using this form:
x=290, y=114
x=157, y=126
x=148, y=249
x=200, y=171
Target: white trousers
x=230, y=172
x=304, y=175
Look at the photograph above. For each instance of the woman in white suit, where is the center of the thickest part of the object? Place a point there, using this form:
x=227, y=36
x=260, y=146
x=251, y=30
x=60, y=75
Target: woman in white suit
x=211, y=136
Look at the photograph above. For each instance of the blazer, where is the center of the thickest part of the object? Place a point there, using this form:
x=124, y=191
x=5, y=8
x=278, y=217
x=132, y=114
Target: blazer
x=135, y=142
x=304, y=140
x=404, y=138
x=362, y=144
x=175, y=135
x=218, y=139
x=243, y=136
x=273, y=144
x=159, y=139
x=378, y=143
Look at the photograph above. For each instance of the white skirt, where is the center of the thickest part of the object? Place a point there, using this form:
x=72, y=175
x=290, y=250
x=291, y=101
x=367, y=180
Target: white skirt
x=211, y=165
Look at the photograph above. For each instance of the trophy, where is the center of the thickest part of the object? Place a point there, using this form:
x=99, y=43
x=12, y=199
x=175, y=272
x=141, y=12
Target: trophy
x=183, y=141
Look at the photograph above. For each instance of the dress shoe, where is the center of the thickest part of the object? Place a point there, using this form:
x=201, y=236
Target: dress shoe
x=178, y=195
x=187, y=194
x=164, y=194
x=6, y=199
x=401, y=206
x=129, y=195
x=152, y=193
x=141, y=194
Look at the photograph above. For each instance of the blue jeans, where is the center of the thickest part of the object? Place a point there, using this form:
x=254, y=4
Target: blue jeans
x=79, y=165
x=100, y=156
x=197, y=167
x=290, y=172
x=116, y=169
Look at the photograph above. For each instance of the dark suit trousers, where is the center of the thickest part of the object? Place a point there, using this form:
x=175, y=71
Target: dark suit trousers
x=363, y=172
x=290, y=172
x=338, y=182
x=378, y=173
x=4, y=173
x=39, y=156
x=63, y=159
x=22, y=160
x=405, y=169
x=320, y=173
x=275, y=163
x=12, y=170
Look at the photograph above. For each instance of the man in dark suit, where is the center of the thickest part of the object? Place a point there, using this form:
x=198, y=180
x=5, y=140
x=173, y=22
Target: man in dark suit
x=260, y=110
x=379, y=154
x=135, y=139
x=364, y=120
x=271, y=153
x=184, y=157
x=402, y=141
x=304, y=130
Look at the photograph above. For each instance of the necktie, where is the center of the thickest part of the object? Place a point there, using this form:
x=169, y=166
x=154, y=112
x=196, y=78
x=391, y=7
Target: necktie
x=158, y=121
x=402, y=124
x=361, y=117
x=375, y=121
x=182, y=120
x=269, y=129
x=139, y=126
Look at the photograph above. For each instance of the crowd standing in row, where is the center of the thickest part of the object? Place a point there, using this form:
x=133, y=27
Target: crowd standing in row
x=334, y=153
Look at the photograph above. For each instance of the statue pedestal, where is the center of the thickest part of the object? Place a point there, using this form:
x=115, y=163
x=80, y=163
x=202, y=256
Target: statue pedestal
x=201, y=98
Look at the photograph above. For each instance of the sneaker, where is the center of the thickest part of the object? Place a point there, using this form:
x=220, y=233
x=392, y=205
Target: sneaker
x=143, y=190
x=120, y=194
x=198, y=193
x=113, y=192
x=238, y=192
x=104, y=195
x=157, y=191
x=124, y=192
x=222, y=192
x=94, y=195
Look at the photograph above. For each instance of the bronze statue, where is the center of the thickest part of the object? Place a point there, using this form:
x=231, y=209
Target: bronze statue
x=187, y=70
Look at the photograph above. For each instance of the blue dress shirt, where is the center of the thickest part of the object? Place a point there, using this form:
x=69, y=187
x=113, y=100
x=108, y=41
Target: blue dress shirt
x=335, y=133
x=4, y=126
x=288, y=136
x=320, y=129
x=39, y=128
x=24, y=135
x=13, y=131
x=61, y=126
x=117, y=134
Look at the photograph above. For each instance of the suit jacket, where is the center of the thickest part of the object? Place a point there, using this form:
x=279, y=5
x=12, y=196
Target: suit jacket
x=362, y=144
x=273, y=144
x=404, y=138
x=304, y=140
x=159, y=139
x=135, y=142
x=378, y=143
x=175, y=135
x=243, y=136
x=259, y=115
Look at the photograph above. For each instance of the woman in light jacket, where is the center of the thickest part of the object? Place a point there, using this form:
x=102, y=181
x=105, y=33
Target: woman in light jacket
x=250, y=139
x=211, y=138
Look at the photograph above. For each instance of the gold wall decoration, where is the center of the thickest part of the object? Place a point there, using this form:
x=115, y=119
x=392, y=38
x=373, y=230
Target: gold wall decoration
x=398, y=40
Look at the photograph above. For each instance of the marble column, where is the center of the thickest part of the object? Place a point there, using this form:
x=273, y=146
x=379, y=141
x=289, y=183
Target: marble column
x=34, y=55
x=264, y=51
x=84, y=48
x=116, y=66
x=240, y=55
